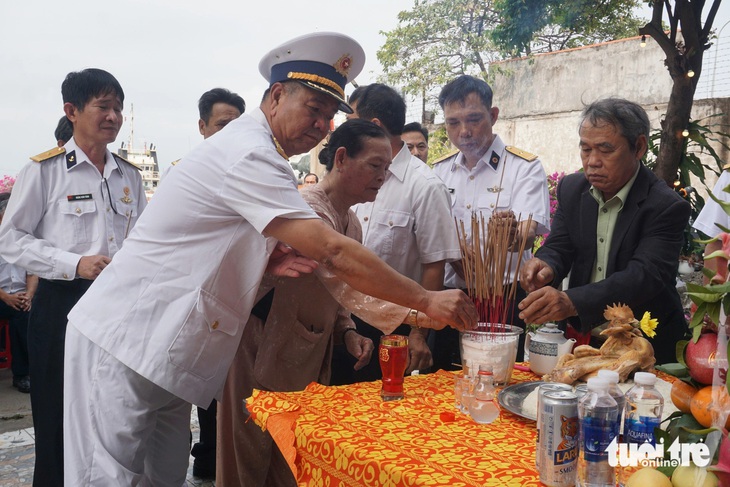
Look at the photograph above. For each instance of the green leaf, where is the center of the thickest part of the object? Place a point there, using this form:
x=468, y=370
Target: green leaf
x=716, y=254
x=675, y=414
x=699, y=316
x=706, y=297
x=696, y=332
x=700, y=432
x=708, y=273
x=714, y=308
x=679, y=353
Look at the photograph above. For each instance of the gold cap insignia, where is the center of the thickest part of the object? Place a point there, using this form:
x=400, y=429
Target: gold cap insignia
x=343, y=65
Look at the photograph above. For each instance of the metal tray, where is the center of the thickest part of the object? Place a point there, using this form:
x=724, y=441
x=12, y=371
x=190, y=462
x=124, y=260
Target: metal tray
x=512, y=397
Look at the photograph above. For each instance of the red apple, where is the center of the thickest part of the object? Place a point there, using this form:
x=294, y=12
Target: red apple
x=700, y=358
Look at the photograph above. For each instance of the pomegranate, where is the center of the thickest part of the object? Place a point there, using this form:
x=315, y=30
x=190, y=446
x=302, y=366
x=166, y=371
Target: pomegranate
x=701, y=357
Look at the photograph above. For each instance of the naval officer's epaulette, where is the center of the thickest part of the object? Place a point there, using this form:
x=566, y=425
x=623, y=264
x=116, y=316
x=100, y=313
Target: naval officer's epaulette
x=174, y=163
x=446, y=156
x=44, y=156
x=120, y=158
x=521, y=153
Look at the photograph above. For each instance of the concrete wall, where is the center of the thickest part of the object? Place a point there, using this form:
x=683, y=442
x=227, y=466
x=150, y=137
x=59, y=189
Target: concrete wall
x=540, y=98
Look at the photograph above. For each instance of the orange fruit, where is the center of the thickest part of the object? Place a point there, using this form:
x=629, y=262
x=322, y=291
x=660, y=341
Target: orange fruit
x=682, y=394
x=702, y=405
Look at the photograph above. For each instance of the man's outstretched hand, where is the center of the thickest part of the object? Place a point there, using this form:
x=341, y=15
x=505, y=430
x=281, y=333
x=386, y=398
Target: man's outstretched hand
x=287, y=262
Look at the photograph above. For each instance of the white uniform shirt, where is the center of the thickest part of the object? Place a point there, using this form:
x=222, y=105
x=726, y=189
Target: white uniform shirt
x=62, y=209
x=174, y=301
x=410, y=221
x=713, y=213
x=523, y=190
x=12, y=278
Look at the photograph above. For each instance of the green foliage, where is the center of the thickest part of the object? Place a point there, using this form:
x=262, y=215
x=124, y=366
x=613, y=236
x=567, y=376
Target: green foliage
x=438, y=40
x=438, y=145
x=529, y=26
x=435, y=42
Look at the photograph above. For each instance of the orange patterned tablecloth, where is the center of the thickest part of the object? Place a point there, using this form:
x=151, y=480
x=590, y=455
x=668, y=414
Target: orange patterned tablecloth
x=347, y=436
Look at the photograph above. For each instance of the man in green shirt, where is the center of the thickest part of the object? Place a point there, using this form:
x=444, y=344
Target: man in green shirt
x=618, y=230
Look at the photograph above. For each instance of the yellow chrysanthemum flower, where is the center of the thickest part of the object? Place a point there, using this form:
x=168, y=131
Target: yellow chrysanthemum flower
x=648, y=325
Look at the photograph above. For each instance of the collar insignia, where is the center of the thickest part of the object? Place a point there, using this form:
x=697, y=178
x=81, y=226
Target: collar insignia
x=494, y=160
x=279, y=148
x=71, y=159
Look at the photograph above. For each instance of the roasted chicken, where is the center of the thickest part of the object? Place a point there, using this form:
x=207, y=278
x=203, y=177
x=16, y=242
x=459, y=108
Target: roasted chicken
x=625, y=351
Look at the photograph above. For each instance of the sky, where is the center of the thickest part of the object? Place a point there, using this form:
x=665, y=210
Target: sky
x=165, y=54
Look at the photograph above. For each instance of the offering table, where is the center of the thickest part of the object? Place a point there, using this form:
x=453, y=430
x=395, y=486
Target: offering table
x=347, y=436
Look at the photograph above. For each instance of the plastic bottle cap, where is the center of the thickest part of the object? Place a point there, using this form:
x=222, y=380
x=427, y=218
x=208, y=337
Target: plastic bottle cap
x=597, y=384
x=610, y=375
x=645, y=378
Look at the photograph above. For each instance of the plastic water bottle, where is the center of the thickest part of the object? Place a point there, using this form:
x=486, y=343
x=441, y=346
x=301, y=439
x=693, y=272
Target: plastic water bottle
x=599, y=424
x=644, y=405
x=643, y=413
x=612, y=377
x=483, y=408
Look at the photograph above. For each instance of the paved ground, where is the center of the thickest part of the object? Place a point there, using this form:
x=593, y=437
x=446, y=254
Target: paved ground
x=17, y=442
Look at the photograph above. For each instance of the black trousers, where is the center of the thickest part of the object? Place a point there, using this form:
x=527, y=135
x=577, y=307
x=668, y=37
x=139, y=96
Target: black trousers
x=204, y=450
x=18, y=321
x=46, y=335
x=343, y=362
x=446, y=350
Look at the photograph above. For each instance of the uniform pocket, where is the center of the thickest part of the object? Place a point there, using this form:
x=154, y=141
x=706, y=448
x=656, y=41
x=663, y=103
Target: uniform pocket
x=491, y=200
x=80, y=219
x=300, y=346
x=206, y=337
x=394, y=232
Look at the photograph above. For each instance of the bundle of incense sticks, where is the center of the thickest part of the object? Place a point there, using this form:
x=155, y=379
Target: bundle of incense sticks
x=487, y=257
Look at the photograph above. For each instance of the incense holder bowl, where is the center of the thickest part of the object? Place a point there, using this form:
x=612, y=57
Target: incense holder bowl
x=491, y=344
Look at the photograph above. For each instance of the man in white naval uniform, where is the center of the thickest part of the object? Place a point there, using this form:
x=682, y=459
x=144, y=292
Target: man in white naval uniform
x=70, y=210
x=409, y=225
x=485, y=176
x=159, y=328
x=712, y=215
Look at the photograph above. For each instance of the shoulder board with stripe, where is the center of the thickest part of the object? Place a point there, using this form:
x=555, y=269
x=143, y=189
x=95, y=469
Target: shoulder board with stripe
x=521, y=153
x=120, y=158
x=44, y=156
x=174, y=163
x=446, y=156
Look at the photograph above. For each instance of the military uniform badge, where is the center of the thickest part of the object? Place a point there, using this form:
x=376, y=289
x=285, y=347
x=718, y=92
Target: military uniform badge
x=126, y=199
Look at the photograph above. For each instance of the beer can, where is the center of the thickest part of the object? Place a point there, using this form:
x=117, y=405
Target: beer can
x=545, y=387
x=559, y=439
x=581, y=390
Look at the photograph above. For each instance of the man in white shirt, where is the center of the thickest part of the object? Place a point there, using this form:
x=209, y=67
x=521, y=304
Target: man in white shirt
x=416, y=138
x=17, y=288
x=70, y=210
x=712, y=215
x=409, y=225
x=484, y=177
x=217, y=108
x=161, y=325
